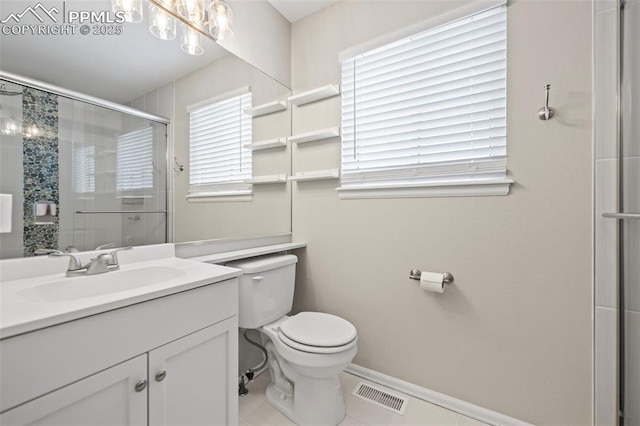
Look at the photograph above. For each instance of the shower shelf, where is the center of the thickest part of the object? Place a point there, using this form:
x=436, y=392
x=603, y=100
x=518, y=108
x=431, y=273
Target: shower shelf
x=266, y=179
x=314, y=95
x=266, y=144
x=316, y=175
x=316, y=135
x=267, y=108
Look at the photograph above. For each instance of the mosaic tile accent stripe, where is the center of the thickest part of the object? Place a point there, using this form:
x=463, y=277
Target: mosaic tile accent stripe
x=40, y=163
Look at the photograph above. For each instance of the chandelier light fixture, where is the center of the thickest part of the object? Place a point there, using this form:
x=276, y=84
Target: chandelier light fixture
x=208, y=18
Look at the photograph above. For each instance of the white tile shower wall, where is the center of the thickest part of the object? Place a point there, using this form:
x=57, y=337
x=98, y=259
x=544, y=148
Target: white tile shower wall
x=631, y=196
x=606, y=200
x=606, y=235
x=631, y=91
x=65, y=151
x=632, y=373
x=632, y=268
x=606, y=77
x=11, y=244
x=606, y=354
x=631, y=185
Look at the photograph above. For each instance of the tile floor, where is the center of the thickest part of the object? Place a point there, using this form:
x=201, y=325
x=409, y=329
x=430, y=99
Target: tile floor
x=254, y=410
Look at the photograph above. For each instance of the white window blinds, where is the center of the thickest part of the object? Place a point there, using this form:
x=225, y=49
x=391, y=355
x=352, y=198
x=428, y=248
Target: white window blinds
x=218, y=163
x=429, y=109
x=84, y=169
x=134, y=160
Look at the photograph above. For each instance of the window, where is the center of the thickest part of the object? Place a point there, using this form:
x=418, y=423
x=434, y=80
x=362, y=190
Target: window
x=134, y=160
x=428, y=112
x=219, y=164
x=84, y=169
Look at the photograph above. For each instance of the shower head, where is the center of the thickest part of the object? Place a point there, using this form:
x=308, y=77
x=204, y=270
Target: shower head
x=5, y=92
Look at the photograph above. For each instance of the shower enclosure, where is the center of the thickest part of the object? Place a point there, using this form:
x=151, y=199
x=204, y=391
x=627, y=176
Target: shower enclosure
x=629, y=214
x=80, y=172
x=617, y=167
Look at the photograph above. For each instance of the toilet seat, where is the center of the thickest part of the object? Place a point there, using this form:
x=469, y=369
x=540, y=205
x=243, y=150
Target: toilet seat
x=317, y=332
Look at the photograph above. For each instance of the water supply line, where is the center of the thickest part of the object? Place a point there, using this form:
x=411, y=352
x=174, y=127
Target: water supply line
x=251, y=371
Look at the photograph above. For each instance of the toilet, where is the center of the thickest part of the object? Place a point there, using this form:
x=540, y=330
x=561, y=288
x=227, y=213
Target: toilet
x=307, y=351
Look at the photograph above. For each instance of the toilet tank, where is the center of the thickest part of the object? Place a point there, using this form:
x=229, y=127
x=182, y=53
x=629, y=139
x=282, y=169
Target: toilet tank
x=266, y=289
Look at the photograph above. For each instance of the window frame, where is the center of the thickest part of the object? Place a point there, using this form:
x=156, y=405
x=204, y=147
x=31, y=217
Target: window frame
x=235, y=190
x=492, y=186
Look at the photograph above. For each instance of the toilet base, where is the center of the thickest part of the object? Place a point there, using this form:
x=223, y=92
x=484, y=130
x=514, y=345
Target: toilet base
x=317, y=401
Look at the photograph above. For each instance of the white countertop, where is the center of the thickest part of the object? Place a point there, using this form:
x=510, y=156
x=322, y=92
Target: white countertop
x=228, y=256
x=20, y=312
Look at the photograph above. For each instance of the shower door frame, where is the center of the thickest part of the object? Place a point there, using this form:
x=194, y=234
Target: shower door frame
x=621, y=216
x=113, y=106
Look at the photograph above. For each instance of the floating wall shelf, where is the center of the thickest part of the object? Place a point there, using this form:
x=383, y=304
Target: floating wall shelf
x=313, y=95
x=316, y=135
x=316, y=175
x=267, y=108
x=257, y=180
x=267, y=144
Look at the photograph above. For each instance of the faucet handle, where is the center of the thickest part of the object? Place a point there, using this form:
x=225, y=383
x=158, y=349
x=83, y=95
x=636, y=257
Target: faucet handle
x=114, y=254
x=46, y=251
x=74, y=262
x=99, y=264
x=105, y=246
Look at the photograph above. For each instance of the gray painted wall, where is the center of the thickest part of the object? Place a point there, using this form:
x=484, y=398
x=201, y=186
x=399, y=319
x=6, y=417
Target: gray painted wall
x=514, y=333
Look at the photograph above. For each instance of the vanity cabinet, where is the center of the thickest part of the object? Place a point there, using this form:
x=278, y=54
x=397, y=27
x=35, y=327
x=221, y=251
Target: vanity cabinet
x=106, y=398
x=167, y=361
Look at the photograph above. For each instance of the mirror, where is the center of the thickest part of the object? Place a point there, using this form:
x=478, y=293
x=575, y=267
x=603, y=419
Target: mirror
x=130, y=66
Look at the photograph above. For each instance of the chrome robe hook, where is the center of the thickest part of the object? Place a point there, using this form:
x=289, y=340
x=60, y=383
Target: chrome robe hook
x=545, y=113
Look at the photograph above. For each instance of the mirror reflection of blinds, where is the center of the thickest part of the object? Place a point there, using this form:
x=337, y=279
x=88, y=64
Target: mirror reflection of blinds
x=428, y=108
x=134, y=160
x=84, y=170
x=217, y=133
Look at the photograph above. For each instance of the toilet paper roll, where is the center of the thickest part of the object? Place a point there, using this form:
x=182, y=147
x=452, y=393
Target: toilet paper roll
x=432, y=281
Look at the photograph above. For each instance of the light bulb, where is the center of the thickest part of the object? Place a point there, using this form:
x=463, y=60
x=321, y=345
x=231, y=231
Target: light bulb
x=192, y=10
x=132, y=9
x=10, y=127
x=162, y=25
x=220, y=20
x=191, y=42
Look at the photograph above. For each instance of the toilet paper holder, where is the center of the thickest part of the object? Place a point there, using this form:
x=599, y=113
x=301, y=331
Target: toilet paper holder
x=447, y=277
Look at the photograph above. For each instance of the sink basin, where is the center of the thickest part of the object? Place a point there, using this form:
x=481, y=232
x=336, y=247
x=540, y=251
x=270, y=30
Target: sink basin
x=82, y=287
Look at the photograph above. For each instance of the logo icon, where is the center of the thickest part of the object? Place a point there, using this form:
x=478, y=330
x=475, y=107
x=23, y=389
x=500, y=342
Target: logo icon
x=38, y=11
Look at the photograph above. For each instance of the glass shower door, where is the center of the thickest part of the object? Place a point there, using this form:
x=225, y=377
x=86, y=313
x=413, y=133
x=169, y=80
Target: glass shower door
x=629, y=223
x=114, y=189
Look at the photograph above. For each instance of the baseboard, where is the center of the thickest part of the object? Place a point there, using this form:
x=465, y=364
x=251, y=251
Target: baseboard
x=436, y=398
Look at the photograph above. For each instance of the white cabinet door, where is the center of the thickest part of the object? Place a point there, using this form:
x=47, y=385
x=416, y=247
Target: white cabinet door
x=199, y=383
x=106, y=398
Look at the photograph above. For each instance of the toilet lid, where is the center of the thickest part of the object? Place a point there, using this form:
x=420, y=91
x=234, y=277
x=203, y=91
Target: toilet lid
x=318, y=329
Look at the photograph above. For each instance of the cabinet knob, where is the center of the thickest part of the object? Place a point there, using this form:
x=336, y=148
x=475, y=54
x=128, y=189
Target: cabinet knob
x=141, y=385
x=160, y=375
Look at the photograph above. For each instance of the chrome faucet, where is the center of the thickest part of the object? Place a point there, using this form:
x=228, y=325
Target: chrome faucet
x=104, y=262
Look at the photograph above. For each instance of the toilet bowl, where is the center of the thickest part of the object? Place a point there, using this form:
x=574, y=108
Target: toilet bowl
x=306, y=351
x=305, y=375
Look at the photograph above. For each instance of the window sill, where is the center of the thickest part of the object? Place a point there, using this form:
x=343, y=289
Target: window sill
x=219, y=197
x=496, y=187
